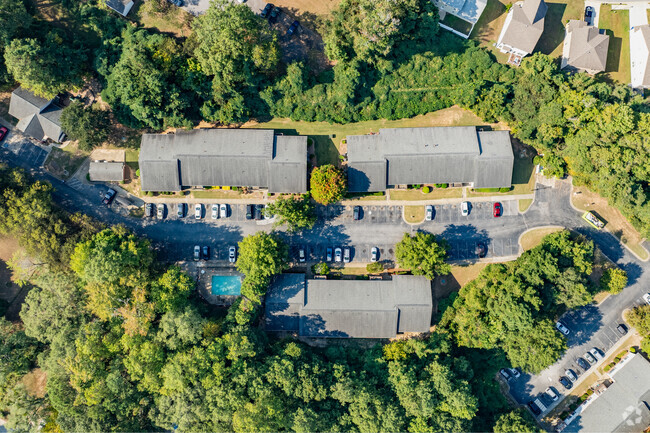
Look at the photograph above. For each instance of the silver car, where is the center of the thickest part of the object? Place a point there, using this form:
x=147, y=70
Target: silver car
x=180, y=212
x=346, y=255
x=374, y=254
x=223, y=211
x=464, y=208
x=198, y=211
x=338, y=254
x=232, y=254
x=215, y=211
x=429, y=212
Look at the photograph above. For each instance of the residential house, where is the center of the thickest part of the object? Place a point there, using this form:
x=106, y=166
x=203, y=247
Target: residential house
x=256, y=158
x=523, y=27
x=37, y=117
x=122, y=7
x=467, y=11
x=348, y=308
x=640, y=56
x=415, y=156
x=622, y=406
x=585, y=48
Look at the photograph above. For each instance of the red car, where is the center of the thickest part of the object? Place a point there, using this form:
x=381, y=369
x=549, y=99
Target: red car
x=3, y=132
x=497, y=210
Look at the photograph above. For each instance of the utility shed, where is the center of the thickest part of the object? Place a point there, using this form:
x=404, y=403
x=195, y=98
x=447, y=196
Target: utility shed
x=411, y=156
x=224, y=157
x=106, y=171
x=349, y=308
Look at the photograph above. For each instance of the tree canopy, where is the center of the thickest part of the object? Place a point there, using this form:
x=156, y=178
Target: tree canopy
x=422, y=254
x=86, y=125
x=297, y=212
x=328, y=184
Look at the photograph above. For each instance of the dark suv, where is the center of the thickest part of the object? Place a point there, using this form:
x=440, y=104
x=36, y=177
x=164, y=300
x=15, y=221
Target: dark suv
x=536, y=410
x=249, y=211
x=258, y=212
x=266, y=10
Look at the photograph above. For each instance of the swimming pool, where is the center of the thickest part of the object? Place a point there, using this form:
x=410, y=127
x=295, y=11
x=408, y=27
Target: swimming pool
x=226, y=285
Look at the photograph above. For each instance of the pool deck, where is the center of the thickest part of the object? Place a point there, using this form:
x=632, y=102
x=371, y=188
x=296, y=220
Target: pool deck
x=204, y=284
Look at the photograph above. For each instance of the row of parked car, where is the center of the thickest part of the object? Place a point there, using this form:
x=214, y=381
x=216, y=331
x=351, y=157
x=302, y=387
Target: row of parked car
x=203, y=253
x=217, y=211
x=465, y=208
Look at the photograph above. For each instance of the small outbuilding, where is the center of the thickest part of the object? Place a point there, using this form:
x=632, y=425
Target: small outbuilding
x=104, y=171
x=122, y=7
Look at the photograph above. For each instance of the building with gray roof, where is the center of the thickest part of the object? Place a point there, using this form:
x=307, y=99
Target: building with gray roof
x=37, y=117
x=640, y=56
x=468, y=11
x=224, y=157
x=122, y=7
x=585, y=48
x=413, y=156
x=623, y=406
x=523, y=27
x=348, y=308
x=103, y=171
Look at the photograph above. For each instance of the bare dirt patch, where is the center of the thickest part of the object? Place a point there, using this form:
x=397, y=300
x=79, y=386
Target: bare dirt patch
x=616, y=223
x=35, y=382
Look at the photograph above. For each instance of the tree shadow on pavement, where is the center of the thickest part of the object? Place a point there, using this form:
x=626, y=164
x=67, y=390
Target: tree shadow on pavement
x=463, y=241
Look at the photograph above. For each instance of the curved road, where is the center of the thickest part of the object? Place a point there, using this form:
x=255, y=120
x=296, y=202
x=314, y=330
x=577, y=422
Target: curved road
x=383, y=226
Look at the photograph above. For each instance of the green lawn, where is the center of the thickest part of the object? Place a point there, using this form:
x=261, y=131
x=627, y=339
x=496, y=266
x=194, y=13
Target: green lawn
x=131, y=158
x=617, y=25
x=558, y=14
x=174, y=20
x=487, y=29
x=327, y=137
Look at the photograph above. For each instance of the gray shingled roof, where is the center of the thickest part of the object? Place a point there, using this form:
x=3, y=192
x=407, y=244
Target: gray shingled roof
x=106, y=171
x=349, y=308
x=407, y=156
x=586, y=47
x=122, y=7
x=526, y=25
x=37, y=117
x=224, y=157
x=623, y=406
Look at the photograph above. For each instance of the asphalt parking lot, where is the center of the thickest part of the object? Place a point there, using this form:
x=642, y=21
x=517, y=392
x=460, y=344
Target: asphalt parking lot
x=33, y=154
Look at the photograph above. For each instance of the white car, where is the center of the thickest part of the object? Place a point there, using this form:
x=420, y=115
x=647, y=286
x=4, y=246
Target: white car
x=571, y=375
x=596, y=354
x=223, y=211
x=562, y=328
x=198, y=211
x=374, y=254
x=552, y=394
x=232, y=254
x=161, y=211
x=464, y=208
x=338, y=254
x=646, y=298
x=429, y=212
x=346, y=255
x=215, y=211
x=514, y=372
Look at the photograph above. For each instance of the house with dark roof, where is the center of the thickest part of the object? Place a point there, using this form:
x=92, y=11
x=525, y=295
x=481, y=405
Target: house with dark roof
x=585, y=48
x=464, y=13
x=623, y=406
x=37, y=117
x=122, y=7
x=523, y=27
x=348, y=308
x=255, y=158
x=414, y=156
x=640, y=56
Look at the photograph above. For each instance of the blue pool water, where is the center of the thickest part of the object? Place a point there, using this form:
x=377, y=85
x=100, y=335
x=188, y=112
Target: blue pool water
x=226, y=285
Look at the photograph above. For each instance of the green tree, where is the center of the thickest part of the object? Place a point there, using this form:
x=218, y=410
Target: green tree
x=46, y=68
x=146, y=85
x=639, y=318
x=297, y=213
x=613, y=280
x=27, y=413
x=328, y=184
x=14, y=18
x=262, y=254
x=515, y=421
x=321, y=268
x=423, y=255
x=86, y=125
x=172, y=290
x=535, y=348
x=374, y=268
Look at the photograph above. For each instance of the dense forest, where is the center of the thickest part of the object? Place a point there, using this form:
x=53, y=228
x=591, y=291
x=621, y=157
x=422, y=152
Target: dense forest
x=229, y=70
x=127, y=344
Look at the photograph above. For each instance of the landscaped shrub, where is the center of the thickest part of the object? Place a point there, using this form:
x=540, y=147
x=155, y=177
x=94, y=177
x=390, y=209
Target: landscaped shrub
x=608, y=367
x=504, y=189
x=88, y=177
x=442, y=185
x=426, y=190
x=225, y=188
x=633, y=349
x=235, y=188
x=137, y=172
